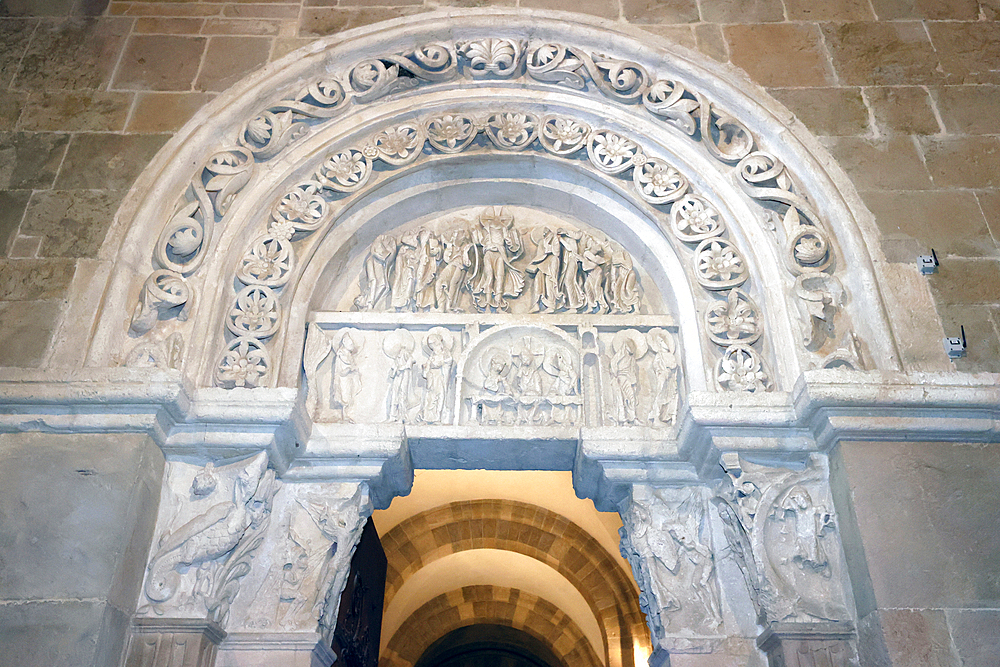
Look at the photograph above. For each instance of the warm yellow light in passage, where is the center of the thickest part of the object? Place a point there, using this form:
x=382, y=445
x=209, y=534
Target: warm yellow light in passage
x=641, y=653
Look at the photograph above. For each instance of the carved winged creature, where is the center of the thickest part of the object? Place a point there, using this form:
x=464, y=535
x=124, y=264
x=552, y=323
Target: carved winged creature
x=210, y=535
x=341, y=523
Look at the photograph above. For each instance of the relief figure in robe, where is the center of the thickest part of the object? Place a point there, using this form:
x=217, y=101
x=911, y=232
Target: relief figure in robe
x=346, y=375
x=451, y=277
x=404, y=279
x=569, y=277
x=398, y=346
x=628, y=346
x=429, y=253
x=375, y=283
x=497, y=245
x=544, y=270
x=594, y=264
x=623, y=290
x=437, y=376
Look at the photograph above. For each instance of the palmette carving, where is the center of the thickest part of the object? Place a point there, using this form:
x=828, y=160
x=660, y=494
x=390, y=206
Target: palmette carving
x=245, y=363
x=741, y=369
x=197, y=566
x=782, y=524
x=500, y=57
x=664, y=538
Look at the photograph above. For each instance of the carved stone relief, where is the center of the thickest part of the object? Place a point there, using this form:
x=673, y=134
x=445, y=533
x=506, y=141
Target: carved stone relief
x=782, y=528
x=498, y=264
x=667, y=542
x=211, y=522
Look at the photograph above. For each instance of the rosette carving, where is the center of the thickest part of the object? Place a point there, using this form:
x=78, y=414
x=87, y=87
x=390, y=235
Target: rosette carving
x=562, y=136
x=613, y=153
x=693, y=219
x=268, y=262
x=346, y=171
x=741, y=369
x=399, y=145
x=451, y=133
x=512, y=131
x=302, y=208
x=245, y=363
x=735, y=320
x=658, y=182
x=720, y=265
x=256, y=313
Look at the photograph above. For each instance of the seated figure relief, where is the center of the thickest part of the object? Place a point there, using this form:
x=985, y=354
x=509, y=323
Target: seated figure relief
x=491, y=264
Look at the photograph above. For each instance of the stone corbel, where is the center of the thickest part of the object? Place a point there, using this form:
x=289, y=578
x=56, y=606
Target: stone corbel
x=211, y=524
x=782, y=528
x=666, y=540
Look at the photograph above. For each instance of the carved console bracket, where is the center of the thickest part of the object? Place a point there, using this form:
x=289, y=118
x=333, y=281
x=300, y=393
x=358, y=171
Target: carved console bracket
x=173, y=642
x=808, y=644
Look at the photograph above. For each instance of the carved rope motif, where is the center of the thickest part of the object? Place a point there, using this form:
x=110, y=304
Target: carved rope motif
x=182, y=244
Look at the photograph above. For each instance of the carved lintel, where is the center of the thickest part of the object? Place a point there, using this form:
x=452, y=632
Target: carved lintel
x=173, y=642
x=808, y=644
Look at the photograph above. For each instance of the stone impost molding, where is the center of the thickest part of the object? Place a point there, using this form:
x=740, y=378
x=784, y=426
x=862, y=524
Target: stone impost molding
x=210, y=424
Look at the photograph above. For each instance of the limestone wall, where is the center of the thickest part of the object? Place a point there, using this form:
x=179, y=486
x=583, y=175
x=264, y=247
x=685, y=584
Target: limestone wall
x=76, y=518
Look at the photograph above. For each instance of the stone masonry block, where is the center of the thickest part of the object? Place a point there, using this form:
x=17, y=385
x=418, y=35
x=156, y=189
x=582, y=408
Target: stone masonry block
x=229, y=59
x=892, y=164
x=143, y=66
x=30, y=160
x=881, y=54
x=165, y=112
x=779, y=55
x=78, y=111
x=107, y=161
x=954, y=10
x=976, y=635
x=963, y=162
x=969, y=52
x=72, y=222
x=25, y=329
x=950, y=221
x=969, y=109
x=75, y=53
x=827, y=111
x=902, y=110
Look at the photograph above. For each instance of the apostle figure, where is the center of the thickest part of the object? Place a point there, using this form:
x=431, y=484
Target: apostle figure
x=437, y=376
x=376, y=277
x=448, y=285
x=428, y=256
x=494, y=277
x=544, y=269
x=628, y=346
x=569, y=277
x=594, y=263
x=346, y=375
x=664, y=406
x=404, y=278
x=398, y=346
x=624, y=293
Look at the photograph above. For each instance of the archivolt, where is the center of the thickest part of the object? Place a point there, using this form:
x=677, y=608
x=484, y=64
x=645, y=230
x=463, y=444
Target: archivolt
x=304, y=141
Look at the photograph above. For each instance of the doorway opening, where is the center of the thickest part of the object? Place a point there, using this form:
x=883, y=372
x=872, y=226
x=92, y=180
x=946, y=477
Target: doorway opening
x=469, y=551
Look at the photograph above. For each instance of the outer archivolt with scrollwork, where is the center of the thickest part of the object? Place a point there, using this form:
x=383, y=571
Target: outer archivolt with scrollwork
x=718, y=264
